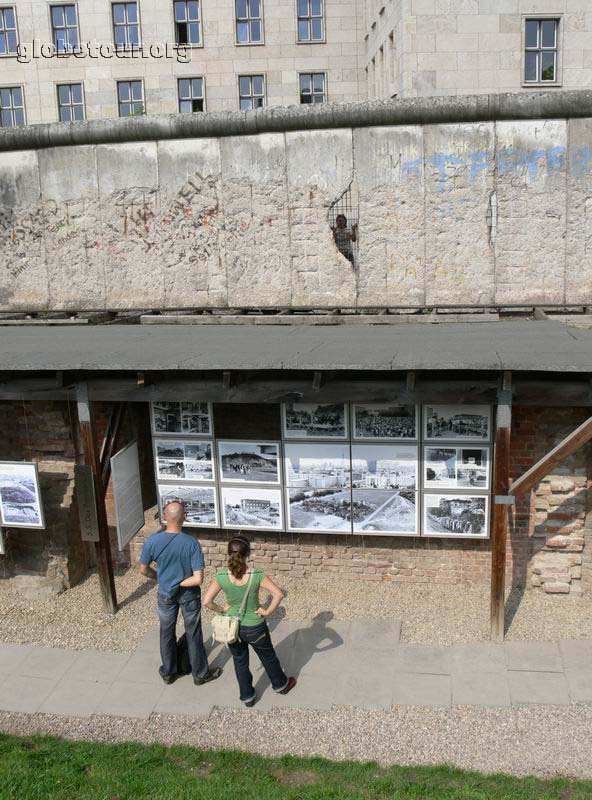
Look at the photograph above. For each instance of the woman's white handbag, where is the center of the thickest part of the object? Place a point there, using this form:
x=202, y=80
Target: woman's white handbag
x=226, y=629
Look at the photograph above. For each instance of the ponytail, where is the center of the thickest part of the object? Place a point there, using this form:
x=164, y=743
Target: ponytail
x=238, y=552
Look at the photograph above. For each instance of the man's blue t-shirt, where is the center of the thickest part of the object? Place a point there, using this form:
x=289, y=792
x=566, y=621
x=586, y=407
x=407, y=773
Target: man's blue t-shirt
x=177, y=559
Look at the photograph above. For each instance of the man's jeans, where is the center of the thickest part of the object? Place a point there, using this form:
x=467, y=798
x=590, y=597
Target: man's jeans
x=189, y=601
x=260, y=640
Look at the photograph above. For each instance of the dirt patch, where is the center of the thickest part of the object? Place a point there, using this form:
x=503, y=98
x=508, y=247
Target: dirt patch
x=296, y=778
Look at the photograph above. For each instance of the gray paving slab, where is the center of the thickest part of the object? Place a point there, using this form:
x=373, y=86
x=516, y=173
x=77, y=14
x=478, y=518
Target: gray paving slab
x=547, y=688
x=142, y=668
x=311, y=691
x=478, y=657
x=579, y=684
x=97, y=666
x=184, y=697
x=364, y=690
x=375, y=635
x=480, y=688
x=127, y=699
x=422, y=658
x=325, y=657
x=75, y=698
x=533, y=656
x=24, y=694
x=12, y=656
x=422, y=690
x=48, y=662
x=576, y=654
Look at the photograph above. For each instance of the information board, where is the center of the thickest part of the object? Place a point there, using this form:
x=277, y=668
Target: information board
x=127, y=492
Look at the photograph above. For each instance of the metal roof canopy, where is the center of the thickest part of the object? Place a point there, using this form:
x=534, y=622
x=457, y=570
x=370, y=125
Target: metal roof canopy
x=526, y=346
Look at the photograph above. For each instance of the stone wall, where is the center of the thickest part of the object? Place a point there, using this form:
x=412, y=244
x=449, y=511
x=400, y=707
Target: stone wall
x=244, y=220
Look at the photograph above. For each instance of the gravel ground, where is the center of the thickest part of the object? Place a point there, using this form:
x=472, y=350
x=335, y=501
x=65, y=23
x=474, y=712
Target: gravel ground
x=536, y=740
x=438, y=615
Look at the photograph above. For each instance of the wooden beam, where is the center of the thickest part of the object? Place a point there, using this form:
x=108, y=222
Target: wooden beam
x=91, y=457
x=110, y=443
x=500, y=507
x=317, y=381
x=410, y=380
x=556, y=456
x=227, y=380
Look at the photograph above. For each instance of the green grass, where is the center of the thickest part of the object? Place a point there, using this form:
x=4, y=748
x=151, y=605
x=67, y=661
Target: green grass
x=44, y=768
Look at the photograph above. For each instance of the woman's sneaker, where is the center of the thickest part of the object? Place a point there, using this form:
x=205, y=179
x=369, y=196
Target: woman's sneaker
x=291, y=684
x=250, y=703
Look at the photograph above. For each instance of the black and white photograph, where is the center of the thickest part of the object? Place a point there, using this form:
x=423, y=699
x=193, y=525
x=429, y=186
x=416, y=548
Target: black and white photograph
x=183, y=460
x=249, y=462
x=20, y=496
x=252, y=507
x=317, y=466
x=384, y=421
x=456, y=468
x=200, y=503
x=187, y=418
x=383, y=466
x=314, y=421
x=375, y=511
x=468, y=423
x=327, y=510
x=455, y=515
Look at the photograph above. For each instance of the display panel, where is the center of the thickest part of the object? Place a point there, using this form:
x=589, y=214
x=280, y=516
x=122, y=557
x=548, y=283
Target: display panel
x=467, y=423
x=384, y=422
x=187, y=418
x=314, y=421
x=382, y=512
x=201, y=506
x=249, y=462
x=383, y=466
x=456, y=468
x=252, y=507
x=183, y=460
x=317, y=466
x=460, y=515
x=20, y=495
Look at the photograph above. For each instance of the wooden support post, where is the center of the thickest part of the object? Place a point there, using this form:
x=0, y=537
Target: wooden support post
x=317, y=381
x=92, y=458
x=501, y=507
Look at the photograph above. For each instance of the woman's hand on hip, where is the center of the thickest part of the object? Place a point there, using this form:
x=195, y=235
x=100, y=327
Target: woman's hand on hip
x=262, y=612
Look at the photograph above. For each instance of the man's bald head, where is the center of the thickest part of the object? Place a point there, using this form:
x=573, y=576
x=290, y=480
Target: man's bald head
x=174, y=513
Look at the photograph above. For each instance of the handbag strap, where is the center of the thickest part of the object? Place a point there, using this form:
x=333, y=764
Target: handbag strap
x=243, y=605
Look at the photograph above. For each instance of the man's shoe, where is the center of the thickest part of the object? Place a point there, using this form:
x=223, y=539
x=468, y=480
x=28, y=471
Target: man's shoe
x=289, y=687
x=168, y=679
x=211, y=676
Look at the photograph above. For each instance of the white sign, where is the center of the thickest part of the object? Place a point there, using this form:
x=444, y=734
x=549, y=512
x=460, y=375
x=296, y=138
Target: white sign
x=127, y=491
x=2, y=549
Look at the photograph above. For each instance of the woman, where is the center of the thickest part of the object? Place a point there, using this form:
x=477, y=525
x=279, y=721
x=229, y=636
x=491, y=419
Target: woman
x=253, y=627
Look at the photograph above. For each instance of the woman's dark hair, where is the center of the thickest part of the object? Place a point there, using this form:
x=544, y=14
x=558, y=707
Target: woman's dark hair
x=238, y=552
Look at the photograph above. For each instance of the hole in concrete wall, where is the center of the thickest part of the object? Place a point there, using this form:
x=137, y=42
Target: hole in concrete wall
x=343, y=219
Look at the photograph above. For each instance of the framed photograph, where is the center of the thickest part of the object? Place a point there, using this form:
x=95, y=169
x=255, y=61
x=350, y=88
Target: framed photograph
x=461, y=515
x=186, y=418
x=249, y=462
x=183, y=460
x=383, y=466
x=456, y=467
x=20, y=495
x=314, y=421
x=200, y=502
x=320, y=510
x=448, y=423
x=384, y=422
x=317, y=466
x=380, y=512
x=253, y=507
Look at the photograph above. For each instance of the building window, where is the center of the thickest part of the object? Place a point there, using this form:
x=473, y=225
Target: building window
x=64, y=26
x=188, y=22
x=540, y=50
x=130, y=97
x=70, y=102
x=12, y=107
x=310, y=21
x=126, y=25
x=312, y=87
x=8, y=34
x=251, y=89
x=191, y=95
x=249, y=22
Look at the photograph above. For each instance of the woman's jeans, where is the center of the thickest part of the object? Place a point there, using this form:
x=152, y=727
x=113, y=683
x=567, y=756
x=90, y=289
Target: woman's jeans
x=189, y=601
x=260, y=640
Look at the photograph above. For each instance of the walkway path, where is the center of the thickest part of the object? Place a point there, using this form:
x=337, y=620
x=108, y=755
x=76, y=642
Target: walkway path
x=360, y=663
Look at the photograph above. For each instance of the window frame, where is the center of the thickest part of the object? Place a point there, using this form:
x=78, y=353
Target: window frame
x=558, y=18
x=16, y=28
x=129, y=80
x=13, y=86
x=77, y=49
x=262, y=20
x=251, y=76
x=323, y=17
x=70, y=84
x=201, y=26
x=128, y=48
x=192, y=78
x=325, y=82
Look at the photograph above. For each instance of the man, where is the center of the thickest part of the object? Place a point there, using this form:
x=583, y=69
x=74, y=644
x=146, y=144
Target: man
x=180, y=574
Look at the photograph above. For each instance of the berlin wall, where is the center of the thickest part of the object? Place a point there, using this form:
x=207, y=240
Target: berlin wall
x=464, y=212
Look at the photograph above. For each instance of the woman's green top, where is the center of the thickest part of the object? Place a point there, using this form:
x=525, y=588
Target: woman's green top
x=234, y=597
